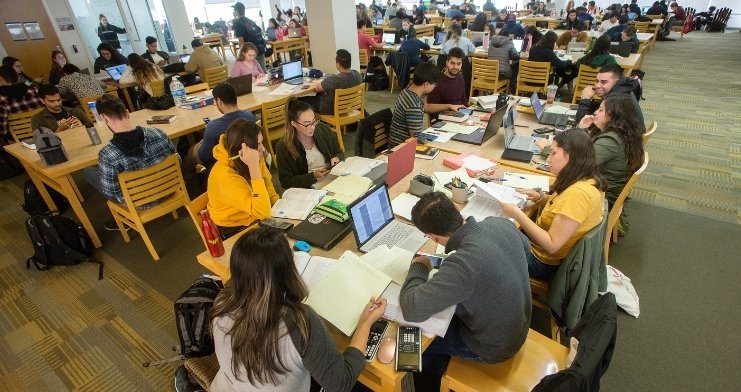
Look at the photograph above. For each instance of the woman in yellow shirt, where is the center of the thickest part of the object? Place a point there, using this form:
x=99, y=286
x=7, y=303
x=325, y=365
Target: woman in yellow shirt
x=575, y=205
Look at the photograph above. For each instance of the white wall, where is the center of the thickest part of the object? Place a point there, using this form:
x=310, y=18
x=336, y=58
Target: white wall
x=333, y=26
x=177, y=17
x=60, y=9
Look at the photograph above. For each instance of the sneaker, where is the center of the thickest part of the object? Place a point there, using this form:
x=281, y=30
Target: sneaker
x=112, y=226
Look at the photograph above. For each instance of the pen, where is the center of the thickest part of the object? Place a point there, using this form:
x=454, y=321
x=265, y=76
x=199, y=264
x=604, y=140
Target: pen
x=234, y=157
x=374, y=307
x=498, y=179
x=520, y=177
x=522, y=126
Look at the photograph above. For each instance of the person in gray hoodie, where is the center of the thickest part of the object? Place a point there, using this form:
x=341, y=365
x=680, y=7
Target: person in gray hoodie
x=502, y=49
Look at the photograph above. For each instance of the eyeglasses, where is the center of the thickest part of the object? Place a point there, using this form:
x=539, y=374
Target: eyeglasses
x=309, y=125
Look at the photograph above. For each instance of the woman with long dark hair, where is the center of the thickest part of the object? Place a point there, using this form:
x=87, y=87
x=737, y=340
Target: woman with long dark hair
x=109, y=57
x=479, y=22
x=141, y=72
x=264, y=334
x=543, y=52
x=22, y=77
x=272, y=28
x=599, y=55
x=574, y=206
x=532, y=37
x=57, y=62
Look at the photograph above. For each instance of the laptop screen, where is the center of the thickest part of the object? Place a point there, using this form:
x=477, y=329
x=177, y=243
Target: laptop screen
x=440, y=37
x=371, y=213
x=292, y=70
x=184, y=58
x=116, y=72
x=509, y=126
x=631, y=15
x=517, y=44
x=537, y=107
x=477, y=37
x=389, y=38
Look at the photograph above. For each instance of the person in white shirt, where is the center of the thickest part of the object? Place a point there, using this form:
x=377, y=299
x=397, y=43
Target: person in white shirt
x=608, y=22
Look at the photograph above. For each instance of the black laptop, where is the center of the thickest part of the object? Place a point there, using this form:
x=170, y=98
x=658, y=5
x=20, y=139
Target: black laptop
x=621, y=49
x=320, y=231
x=481, y=135
x=511, y=150
x=242, y=84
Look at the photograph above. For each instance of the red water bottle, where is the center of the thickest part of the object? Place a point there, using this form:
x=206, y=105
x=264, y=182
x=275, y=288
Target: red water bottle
x=211, y=233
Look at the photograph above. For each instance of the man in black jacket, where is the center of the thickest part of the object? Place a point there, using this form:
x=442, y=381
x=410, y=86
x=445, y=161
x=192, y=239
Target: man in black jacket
x=155, y=56
x=610, y=81
x=657, y=9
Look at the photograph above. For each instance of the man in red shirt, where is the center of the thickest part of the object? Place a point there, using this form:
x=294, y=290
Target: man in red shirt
x=366, y=42
x=450, y=92
x=15, y=97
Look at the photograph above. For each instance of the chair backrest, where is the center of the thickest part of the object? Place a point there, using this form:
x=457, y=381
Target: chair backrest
x=587, y=23
x=527, y=23
x=158, y=87
x=642, y=27
x=553, y=23
x=363, y=59
x=373, y=134
x=347, y=100
x=425, y=31
x=19, y=124
x=158, y=181
x=533, y=76
x=650, y=131
x=193, y=208
x=488, y=15
x=485, y=75
x=216, y=75
x=196, y=88
x=370, y=31
x=617, y=208
x=436, y=20
x=587, y=76
x=211, y=39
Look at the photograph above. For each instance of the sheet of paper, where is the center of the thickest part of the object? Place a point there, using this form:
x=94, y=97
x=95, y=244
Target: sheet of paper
x=480, y=208
x=442, y=137
x=499, y=192
x=477, y=163
x=558, y=109
x=348, y=188
x=258, y=89
x=283, y=89
x=393, y=262
x=262, y=80
x=435, y=325
x=530, y=181
x=304, y=194
x=358, y=166
x=341, y=296
x=292, y=209
x=302, y=260
x=458, y=128
x=316, y=269
x=403, y=204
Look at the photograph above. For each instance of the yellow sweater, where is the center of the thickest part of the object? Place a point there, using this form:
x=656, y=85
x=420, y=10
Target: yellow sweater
x=234, y=201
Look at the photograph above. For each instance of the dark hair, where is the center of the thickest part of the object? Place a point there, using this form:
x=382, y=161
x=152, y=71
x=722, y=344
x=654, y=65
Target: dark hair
x=626, y=123
x=400, y=14
x=115, y=56
x=534, y=33
x=239, y=7
x=582, y=163
x=361, y=24
x=111, y=106
x=225, y=92
x=434, y=213
x=601, y=46
x=69, y=69
x=54, y=66
x=274, y=23
x=456, y=52
x=479, y=23
x=549, y=39
x=9, y=61
x=572, y=11
x=426, y=73
x=294, y=110
x=614, y=69
x=150, y=40
x=578, y=26
x=454, y=32
x=8, y=73
x=343, y=58
x=196, y=43
x=238, y=132
x=458, y=18
x=47, y=89
x=623, y=19
x=630, y=31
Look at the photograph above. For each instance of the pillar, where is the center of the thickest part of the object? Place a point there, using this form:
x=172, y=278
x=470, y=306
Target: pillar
x=332, y=26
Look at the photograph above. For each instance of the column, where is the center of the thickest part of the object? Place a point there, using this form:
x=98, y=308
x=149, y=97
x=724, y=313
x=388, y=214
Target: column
x=177, y=18
x=332, y=26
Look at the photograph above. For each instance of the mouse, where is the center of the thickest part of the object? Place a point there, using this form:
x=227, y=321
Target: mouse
x=301, y=246
x=387, y=349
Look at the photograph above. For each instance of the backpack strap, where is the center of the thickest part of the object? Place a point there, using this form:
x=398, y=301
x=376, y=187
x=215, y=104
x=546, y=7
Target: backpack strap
x=39, y=246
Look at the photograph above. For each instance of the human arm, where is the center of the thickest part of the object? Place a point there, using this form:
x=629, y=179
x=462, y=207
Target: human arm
x=606, y=148
x=116, y=29
x=237, y=69
x=63, y=86
x=414, y=117
x=192, y=64
x=513, y=53
x=552, y=240
x=81, y=116
x=127, y=77
x=289, y=170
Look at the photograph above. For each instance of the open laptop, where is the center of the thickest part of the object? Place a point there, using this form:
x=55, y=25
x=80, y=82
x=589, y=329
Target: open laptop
x=294, y=33
x=374, y=223
x=621, y=49
x=577, y=47
x=116, y=72
x=292, y=72
x=389, y=38
x=631, y=15
x=546, y=117
x=477, y=37
x=242, y=84
x=401, y=163
x=516, y=147
x=481, y=135
x=517, y=44
x=440, y=37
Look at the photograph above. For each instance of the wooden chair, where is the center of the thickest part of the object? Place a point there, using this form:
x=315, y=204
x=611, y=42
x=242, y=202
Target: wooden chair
x=617, y=209
x=485, y=77
x=527, y=23
x=19, y=124
x=688, y=22
x=655, y=16
x=216, y=75
x=642, y=27
x=437, y=20
x=650, y=132
x=552, y=24
x=533, y=77
x=194, y=207
x=642, y=48
x=488, y=15
x=363, y=59
x=370, y=31
x=274, y=123
x=720, y=20
x=203, y=370
x=524, y=12
x=349, y=107
x=587, y=23
x=587, y=76
x=163, y=180
x=158, y=87
x=425, y=31
x=538, y=357
x=196, y=88
x=214, y=41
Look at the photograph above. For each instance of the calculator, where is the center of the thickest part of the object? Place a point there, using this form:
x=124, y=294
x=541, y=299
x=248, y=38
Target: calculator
x=409, y=349
x=377, y=330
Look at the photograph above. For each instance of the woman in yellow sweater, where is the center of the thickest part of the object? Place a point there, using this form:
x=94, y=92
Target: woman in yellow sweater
x=240, y=188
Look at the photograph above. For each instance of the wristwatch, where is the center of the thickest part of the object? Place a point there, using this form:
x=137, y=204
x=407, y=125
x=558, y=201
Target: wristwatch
x=540, y=191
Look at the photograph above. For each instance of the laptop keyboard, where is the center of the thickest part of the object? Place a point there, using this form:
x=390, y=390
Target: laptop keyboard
x=394, y=235
x=550, y=118
x=474, y=137
x=521, y=143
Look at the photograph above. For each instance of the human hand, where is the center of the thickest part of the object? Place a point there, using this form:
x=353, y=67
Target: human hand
x=372, y=311
x=531, y=194
x=456, y=107
x=543, y=143
x=587, y=93
x=249, y=156
x=40, y=79
x=510, y=210
x=320, y=173
x=586, y=121
x=67, y=123
x=424, y=260
x=162, y=62
x=334, y=161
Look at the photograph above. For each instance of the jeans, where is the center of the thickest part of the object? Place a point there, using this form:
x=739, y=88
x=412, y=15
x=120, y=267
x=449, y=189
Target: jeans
x=437, y=356
x=539, y=270
x=92, y=175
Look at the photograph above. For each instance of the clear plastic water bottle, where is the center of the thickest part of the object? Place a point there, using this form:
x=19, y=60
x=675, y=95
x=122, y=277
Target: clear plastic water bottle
x=178, y=91
x=94, y=110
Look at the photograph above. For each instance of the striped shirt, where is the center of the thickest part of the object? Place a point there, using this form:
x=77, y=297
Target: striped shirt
x=408, y=116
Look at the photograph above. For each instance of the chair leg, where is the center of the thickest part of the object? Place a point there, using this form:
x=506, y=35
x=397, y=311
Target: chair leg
x=140, y=228
x=121, y=227
x=338, y=131
x=615, y=234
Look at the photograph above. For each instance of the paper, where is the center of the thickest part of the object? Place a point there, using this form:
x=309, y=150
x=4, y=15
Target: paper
x=342, y=295
x=301, y=259
x=435, y=325
x=486, y=101
x=393, y=262
x=283, y=89
x=446, y=177
x=258, y=89
x=262, y=81
x=358, y=166
x=485, y=202
x=296, y=203
x=477, y=163
x=316, y=269
x=480, y=208
x=557, y=109
x=442, y=137
x=458, y=128
x=500, y=192
x=530, y=181
x=403, y=204
x=348, y=188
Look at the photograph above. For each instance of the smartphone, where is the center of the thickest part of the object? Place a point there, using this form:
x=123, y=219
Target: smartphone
x=275, y=223
x=466, y=111
x=436, y=261
x=574, y=107
x=304, y=87
x=438, y=124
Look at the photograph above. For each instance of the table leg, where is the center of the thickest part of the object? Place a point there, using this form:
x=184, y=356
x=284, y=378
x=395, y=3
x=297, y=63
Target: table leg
x=69, y=192
x=39, y=182
x=627, y=72
x=128, y=99
x=74, y=186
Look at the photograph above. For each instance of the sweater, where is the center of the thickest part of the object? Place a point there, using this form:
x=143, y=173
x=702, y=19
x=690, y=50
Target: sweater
x=203, y=58
x=565, y=38
x=487, y=279
x=502, y=50
x=46, y=119
x=294, y=173
x=547, y=55
x=598, y=61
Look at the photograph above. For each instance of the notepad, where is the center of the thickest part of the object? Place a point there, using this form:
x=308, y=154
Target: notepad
x=357, y=166
x=297, y=203
x=403, y=204
x=458, y=128
x=283, y=89
x=347, y=189
x=435, y=325
x=393, y=262
x=529, y=181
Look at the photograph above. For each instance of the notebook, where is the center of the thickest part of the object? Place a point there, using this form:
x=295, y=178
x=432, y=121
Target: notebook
x=373, y=220
x=621, y=49
x=401, y=163
x=116, y=72
x=516, y=148
x=546, y=117
x=481, y=135
x=242, y=84
x=320, y=231
x=292, y=73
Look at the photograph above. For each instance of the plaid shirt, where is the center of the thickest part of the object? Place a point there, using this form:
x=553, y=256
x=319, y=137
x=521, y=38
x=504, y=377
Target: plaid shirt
x=111, y=161
x=9, y=106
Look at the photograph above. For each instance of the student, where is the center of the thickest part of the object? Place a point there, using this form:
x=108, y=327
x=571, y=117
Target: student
x=489, y=6
x=450, y=92
x=610, y=80
x=576, y=34
x=108, y=33
x=240, y=25
x=15, y=97
x=409, y=109
x=397, y=22
x=143, y=73
x=81, y=85
x=247, y=63
x=541, y=10
x=502, y=50
x=455, y=12
x=501, y=19
x=131, y=148
x=599, y=55
x=266, y=337
x=406, y=28
x=22, y=77
x=293, y=24
x=412, y=46
x=569, y=7
x=457, y=21
x=543, y=52
x=570, y=21
x=57, y=62
x=308, y=148
x=617, y=30
x=512, y=28
x=366, y=42
x=629, y=35
x=608, y=21
x=574, y=206
x=486, y=278
x=420, y=18
x=203, y=58
x=584, y=16
x=153, y=55
x=272, y=28
x=55, y=116
x=479, y=23
x=323, y=102
x=532, y=37
x=109, y=57
x=362, y=15
x=240, y=187
x=657, y=9
x=391, y=12
x=455, y=39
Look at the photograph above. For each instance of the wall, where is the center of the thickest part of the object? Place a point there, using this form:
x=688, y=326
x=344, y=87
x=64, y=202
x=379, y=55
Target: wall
x=34, y=55
x=177, y=18
x=70, y=38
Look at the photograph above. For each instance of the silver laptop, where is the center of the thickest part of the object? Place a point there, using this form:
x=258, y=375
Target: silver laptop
x=292, y=72
x=577, y=47
x=517, y=142
x=374, y=224
x=116, y=72
x=557, y=119
x=294, y=33
x=517, y=44
x=389, y=38
x=477, y=37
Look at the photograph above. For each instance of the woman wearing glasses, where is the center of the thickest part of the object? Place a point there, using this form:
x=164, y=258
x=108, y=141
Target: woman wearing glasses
x=308, y=149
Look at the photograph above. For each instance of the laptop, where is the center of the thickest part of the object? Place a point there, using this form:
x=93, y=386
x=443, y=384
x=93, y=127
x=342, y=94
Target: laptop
x=242, y=84
x=517, y=44
x=320, y=231
x=546, y=117
x=389, y=38
x=440, y=38
x=116, y=72
x=401, y=163
x=294, y=33
x=184, y=58
x=477, y=37
x=481, y=135
x=631, y=15
x=621, y=49
x=516, y=147
x=577, y=47
x=374, y=223
x=292, y=72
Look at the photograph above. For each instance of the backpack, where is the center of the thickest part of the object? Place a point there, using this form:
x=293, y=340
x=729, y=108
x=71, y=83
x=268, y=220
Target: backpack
x=34, y=204
x=254, y=34
x=9, y=165
x=58, y=240
x=191, y=320
x=375, y=75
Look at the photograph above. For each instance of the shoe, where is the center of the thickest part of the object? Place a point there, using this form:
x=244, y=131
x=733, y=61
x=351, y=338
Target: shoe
x=112, y=226
x=669, y=39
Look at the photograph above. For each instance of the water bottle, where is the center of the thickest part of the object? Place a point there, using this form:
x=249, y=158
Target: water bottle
x=185, y=50
x=93, y=134
x=502, y=100
x=211, y=234
x=94, y=110
x=178, y=91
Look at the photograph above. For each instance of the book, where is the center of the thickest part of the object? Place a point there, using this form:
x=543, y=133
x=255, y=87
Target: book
x=485, y=202
x=452, y=115
x=357, y=166
x=197, y=101
x=486, y=101
x=166, y=119
x=475, y=165
x=297, y=203
x=437, y=324
x=426, y=152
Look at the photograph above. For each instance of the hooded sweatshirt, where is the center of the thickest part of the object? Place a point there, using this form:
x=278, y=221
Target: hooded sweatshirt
x=623, y=86
x=232, y=200
x=501, y=49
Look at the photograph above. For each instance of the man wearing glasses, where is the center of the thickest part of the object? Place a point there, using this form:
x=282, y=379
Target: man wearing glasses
x=323, y=102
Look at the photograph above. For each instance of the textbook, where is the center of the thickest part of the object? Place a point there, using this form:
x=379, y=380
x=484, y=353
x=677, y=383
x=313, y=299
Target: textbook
x=485, y=202
x=486, y=101
x=166, y=119
x=357, y=166
x=475, y=165
x=196, y=101
x=297, y=203
x=452, y=115
x=426, y=152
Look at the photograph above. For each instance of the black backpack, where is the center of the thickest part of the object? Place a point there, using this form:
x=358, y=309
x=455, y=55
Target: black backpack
x=254, y=34
x=34, y=204
x=191, y=319
x=9, y=165
x=375, y=75
x=58, y=240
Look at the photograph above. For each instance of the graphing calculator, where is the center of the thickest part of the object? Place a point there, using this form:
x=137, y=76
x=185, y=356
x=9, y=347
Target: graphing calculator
x=409, y=349
x=377, y=330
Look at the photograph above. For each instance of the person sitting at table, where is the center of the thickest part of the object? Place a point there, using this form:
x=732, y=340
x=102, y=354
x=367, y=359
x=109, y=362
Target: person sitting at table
x=702, y=19
x=610, y=81
x=543, y=52
x=412, y=46
x=541, y=10
x=398, y=21
x=308, y=149
x=15, y=97
x=373, y=14
x=624, y=10
x=296, y=25
x=599, y=55
x=391, y=11
x=246, y=63
x=501, y=19
x=489, y=6
x=576, y=34
x=108, y=33
x=491, y=29
x=532, y=37
x=592, y=8
x=574, y=206
x=458, y=21
x=503, y=50
x=410, y=108
x=56, y=117
x=584, y=16
x=420, y=18
x=323, y=102
x=486, y=278
x=362, y=15
x=450, y=92
x=131, y=148
x=608, y=21
x=240, y=187
x=79, y=84
x=570, y=21
x=22, y=77
x=109, y=57
x=407, y=27
x=657, y=9
x=618, y=30
x=629, y=35
x=455, y=11
x=57, y=62
x=467, y=9
x=153, y=55
x=203, y=58
x=633, y=7
x=455, y=39
x=266, y=337
x=479, y=22
x=143, y=73
x=366, y=42
x=512, y=28
x=272, y=29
